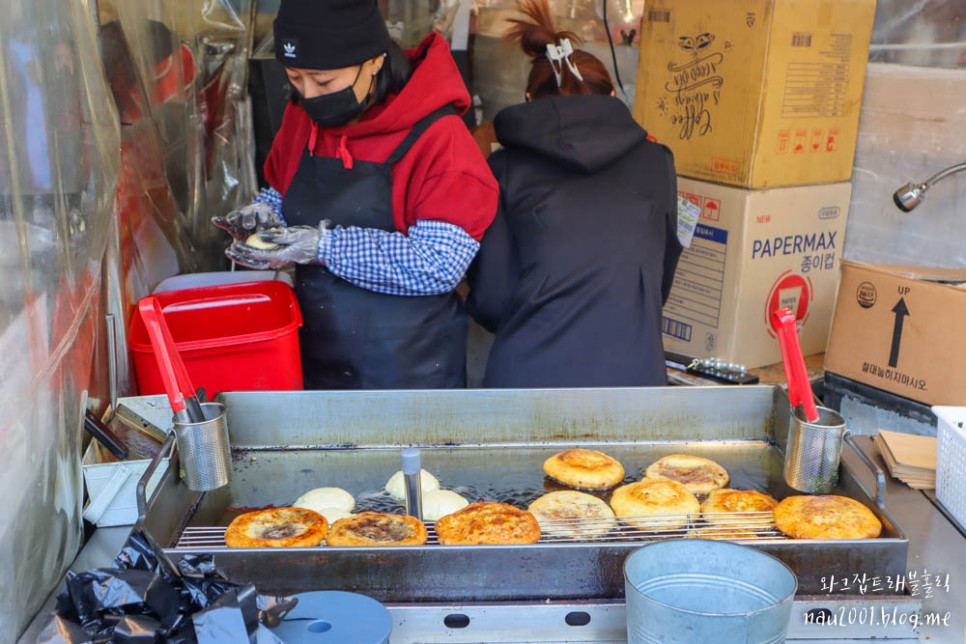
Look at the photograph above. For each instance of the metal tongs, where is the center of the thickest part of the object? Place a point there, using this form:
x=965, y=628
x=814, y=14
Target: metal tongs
x=177, y=383
x=799, y=387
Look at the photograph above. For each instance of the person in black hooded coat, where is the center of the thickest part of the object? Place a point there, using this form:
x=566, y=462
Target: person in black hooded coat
x=573, y=272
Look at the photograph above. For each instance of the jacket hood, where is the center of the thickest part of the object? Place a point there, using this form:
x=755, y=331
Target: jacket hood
x=435, y=82
x=586, y=133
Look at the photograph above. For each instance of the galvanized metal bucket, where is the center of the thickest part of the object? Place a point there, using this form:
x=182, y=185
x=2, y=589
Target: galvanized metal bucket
x=204, y=449
x=697, y=590
x=814, y=451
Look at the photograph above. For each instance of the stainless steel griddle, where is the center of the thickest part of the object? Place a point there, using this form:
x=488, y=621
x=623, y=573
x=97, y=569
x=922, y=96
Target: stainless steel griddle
x=491, y=445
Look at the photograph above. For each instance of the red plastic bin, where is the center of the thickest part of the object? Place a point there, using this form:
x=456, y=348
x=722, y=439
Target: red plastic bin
x=232, y=337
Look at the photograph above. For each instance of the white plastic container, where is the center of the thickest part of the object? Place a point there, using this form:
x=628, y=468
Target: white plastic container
x=111, y=488
x=217, y=278
x=951, y=461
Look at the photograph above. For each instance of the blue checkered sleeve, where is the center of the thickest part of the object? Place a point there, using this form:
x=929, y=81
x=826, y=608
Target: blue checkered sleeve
x=429, y=260
x=271, y=198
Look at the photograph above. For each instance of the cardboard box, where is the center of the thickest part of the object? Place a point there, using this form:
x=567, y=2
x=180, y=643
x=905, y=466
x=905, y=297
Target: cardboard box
x=900, y=329
x=754, y=251
x=755, y=93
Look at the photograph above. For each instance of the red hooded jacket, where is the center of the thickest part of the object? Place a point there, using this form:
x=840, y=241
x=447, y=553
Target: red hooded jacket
x=443, y=177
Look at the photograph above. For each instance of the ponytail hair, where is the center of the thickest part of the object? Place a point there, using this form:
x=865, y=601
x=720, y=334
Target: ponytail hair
x=537, y=30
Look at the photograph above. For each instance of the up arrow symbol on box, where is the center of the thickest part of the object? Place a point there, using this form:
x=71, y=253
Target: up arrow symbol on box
x=901, y=312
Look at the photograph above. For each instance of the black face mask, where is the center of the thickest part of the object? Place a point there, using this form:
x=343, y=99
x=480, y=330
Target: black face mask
x=335, y=109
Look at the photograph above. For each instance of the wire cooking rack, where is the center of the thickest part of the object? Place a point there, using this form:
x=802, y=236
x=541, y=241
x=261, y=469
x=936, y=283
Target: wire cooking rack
x=731, y=526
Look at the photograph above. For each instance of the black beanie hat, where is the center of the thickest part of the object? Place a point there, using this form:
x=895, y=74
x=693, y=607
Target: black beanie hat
x=329, y=34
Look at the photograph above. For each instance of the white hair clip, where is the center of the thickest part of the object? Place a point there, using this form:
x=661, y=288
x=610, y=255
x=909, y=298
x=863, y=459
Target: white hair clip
x=559, y=55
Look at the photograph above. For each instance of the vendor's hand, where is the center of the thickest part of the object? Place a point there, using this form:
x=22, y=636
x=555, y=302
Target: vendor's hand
x=295, y=245
x=241, y=223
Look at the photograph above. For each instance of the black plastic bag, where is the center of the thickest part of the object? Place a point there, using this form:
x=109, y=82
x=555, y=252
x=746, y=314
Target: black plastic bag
x=201, y=582
x=134, y=629
x=147, y=598
x=229, y=619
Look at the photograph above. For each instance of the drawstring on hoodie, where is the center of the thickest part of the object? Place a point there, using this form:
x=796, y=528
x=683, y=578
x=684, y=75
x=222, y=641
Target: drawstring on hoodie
x=313, y=138
x=343, y=153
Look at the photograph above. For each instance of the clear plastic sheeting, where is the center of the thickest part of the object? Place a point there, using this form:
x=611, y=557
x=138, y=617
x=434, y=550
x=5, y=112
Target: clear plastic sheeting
x=177, y=73
x=410, y=20
x=125, y=126
x=58, y=173
x=923, y=33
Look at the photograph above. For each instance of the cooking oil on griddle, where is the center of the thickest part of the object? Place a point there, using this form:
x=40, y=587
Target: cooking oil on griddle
x=511, y=474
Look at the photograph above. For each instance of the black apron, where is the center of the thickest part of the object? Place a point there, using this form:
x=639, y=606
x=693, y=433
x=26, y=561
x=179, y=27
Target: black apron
x=353, y=338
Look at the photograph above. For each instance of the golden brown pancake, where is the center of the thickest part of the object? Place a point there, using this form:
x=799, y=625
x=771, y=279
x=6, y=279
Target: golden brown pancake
x=655, y=504
x=732, y=507
x=826, y=517
x=377, y=529
x=584, y=468
x=570, y=513
x=700, y=475
x=488, y=522
x=277, y=528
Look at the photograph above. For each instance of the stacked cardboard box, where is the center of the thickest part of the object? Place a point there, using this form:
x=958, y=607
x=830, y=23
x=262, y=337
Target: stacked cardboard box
x=897, y=328
x=759, y=101
x=754, y=251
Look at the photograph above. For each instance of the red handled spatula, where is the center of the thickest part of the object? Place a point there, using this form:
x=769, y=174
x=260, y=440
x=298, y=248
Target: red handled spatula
x=177, y=383
x=799, y=388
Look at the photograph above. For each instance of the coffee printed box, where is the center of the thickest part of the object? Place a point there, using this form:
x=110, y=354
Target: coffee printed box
x=755, y=93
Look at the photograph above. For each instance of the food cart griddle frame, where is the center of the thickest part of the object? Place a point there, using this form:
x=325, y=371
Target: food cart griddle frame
x=284, y=443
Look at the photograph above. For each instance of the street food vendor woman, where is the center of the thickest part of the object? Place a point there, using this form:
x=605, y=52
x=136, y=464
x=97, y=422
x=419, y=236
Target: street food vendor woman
x=572, y=275
x=378, y=195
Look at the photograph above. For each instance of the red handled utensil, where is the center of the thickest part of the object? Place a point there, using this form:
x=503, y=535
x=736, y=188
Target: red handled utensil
x=799, y=388
x=177, y=383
